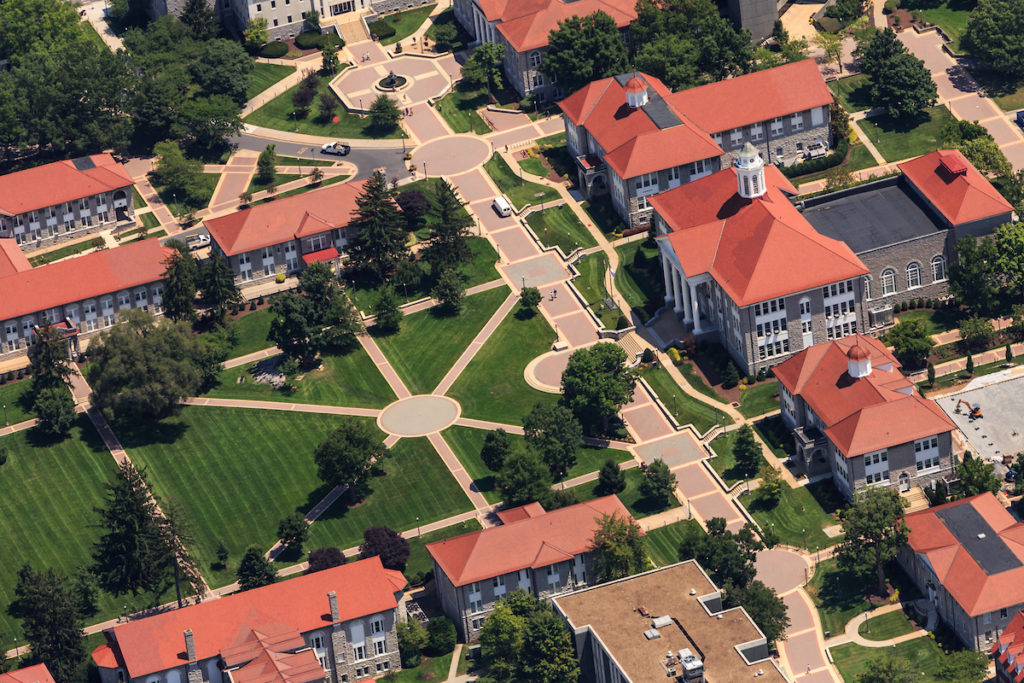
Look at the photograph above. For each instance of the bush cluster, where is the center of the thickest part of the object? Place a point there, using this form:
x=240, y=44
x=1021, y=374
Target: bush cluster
x=274, y=50
x=309, y=40
x=834, y=158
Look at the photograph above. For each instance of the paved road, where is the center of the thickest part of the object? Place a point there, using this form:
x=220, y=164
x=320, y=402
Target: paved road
x=366, y=160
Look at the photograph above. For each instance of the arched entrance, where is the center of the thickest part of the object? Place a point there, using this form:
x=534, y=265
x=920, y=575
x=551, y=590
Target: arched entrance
x=121, y=204
x=904, y=481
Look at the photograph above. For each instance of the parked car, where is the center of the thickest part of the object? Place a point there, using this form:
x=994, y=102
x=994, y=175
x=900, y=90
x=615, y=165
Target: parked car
x=339, y=148
x=197, y=241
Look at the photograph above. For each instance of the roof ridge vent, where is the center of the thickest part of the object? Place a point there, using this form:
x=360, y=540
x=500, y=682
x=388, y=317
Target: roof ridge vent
x=981, y=535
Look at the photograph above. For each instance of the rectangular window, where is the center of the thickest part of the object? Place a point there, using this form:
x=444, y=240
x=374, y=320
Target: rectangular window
x=358, y=652
x=757, y=131
x=379, y=647
x=735, y=135
x=474, y=587
x=377, y=625
x=777, y=127
x=797, y=121
x=476, y=605
x=1002, y=613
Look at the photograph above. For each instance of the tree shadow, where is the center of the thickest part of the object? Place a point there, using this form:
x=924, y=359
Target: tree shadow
x=844, y=589
x=149, y=433
x=888, y=124
x=289, y=555
x=826, y=495
x=524, y=313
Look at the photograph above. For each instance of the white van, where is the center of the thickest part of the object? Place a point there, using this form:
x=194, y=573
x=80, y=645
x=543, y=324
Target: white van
x=502, y=206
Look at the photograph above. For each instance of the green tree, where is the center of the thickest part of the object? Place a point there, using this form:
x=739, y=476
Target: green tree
x=550, y=656
x=931, y=374
x=379, y=227
x=449, y=229
x=970, y=364
x=993, y=32
x=51, y=365
x=763, y=605
x=973, y=275
x=266, y=164
x=529, y=298
x=484, y=67
x=1009, y=248
x=977, y=333
x=445, y=36
x=387, y=544
x=175, y=537
x=658, y=483
x=55, y=409
x=217, y=284
x=181, y=277
x=770, y=490
x=412, y=637
x=497, y=447
x=584, y=49
x=963, y=666
x=523, y=478
x=174, y=171
x=48, y=607
x=441, y=635
x=831, y=45
x=254, y=570
x=293, y=531
x=384, y=114
x=985, y=154
x=349, y=456
x=256, y=34
x=596, y=384
x=387, y=312
x=502, y=637
x=224, y=69
x=329, y=64
x=746, y=451
x=900, y=83
x=617, y=548
x=331, y=314
x=449, y=289
x=205, y=122
x=555, y=434
x=29, y=24
x=911, y=342
x=878, y=49
x=290, y=330
x=610, y=478
x=1018, y=471
x=727, y=557
x=311, y=20
x=887, y=669
x=199, y=17
x=873, y=531
x=976, y=476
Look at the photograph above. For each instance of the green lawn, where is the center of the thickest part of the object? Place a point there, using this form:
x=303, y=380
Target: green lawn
x=800, y=515
x=305, y=188
x=405, y=23
x=897, y=140
x=278, y=114
x=49, y=522
x=556, y=140
x=178, y=205
x=250, y=332
x=854, y=92
x=663, y=543
x=520, y=192
x=467, y=442
x=630, y=497
x=265, y=75
x=559, y=226
x=935, y=321
x=924, y=656
x=279, y=179
x=493, y=387
x=417, y=484
x=639, y=284
x=951, y=16
x=137, y=201
x=602, y=211
x=459, y=109
x=63, y=252
x=839, y=594
x=236, y=473
x=724, y=463
x=590, y=284
x=419, y=562
x=431, y=668
x=858, y=158
x=685, y=408
x=13, y=397
x=149, y=220
x=697, y=381
x=427, y=346
x=534, y=166
x=885, y=626
x=448, y=17
x=348, y=380
x=759, y=399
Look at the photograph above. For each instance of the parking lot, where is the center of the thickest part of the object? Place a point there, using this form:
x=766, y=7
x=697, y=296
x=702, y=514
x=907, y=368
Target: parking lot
x=1000, y=430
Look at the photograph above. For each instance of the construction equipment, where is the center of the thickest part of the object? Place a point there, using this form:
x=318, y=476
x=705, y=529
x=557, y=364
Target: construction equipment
x=973, y=411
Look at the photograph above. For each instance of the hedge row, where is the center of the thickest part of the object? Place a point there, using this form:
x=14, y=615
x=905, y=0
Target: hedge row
x=382, y=29
x=274, y=50
x=308, y=41
x=834, y=158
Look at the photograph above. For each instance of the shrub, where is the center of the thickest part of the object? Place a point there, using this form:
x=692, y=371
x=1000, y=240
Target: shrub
x=441, y=635
x=252, y=305
x=280, y=277
x=21, y=374
x=647, y=356
x=824, y=163
x=731, y=376
x=673, y=355
x=912, y=304
x=274, y=50
x=642, y=315
x=382, y=29
x=760, y=375
x=621, y=323
x=309, y=40
x=3, y=378
x=398, y=48
x=891, y=6
x=259, y=301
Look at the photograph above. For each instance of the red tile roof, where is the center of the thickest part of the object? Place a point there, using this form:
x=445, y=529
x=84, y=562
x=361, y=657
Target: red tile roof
x=866, y=414
x=954, y=187
x=525, y=24
x=12, y=260
x=283, y=220
x=1008, y=650
x=532, y=542
x=157, y=643
x=755, y=97
x=632, y=141
x=61, y=181
x=266, y=655
x=84, y=277
x=521, y=512
x=965, y=580
x=755, y=249
x=327, y=254
x=37, y=673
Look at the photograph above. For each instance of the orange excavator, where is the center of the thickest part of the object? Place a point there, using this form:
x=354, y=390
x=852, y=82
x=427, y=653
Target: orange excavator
x=973, y=411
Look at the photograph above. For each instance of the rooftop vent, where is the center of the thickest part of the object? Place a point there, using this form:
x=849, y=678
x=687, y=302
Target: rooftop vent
x=718, y=616
x=693, y=591
x=981, y=535
x=652, y=634
x=662, y=622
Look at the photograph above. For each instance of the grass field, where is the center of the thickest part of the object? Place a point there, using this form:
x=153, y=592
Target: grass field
x=417, y=484
x=630, y=496
x=951, y=16
x=297, y=161
x=637, y=285
x=63, y=252
x=590, y=284
x=265, y=75
x=854, y=92
x=759, y=399
x=419, y=562
x=346, y=380
x=206, y=183
x=885, y=626
x=534, y=166
x=493, y=387
x=696, y=381
x=839, y=594
x=427, y=346
x=801, y=514
x=12, y=397
x=724, y=463
x=149, y=220
x=278, y=114
x=924, y=656
x=48, y=524
x=250, y=332
x=431, y=668
x=897, y=140
x=467, y=442
x=459, y=109
x=405, y=23
x=663, y=543
x=603, y=214
x=279, y=179
x=305, y=188
x=235, y=473
x=684, y=408
x=939, y=320
x=520, y=192
x=137, y=201
x=559, y=226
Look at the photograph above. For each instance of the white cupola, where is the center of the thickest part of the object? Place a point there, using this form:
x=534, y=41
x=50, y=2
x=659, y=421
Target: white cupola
x=858, y=362
x=750, y=172
x=636, y=92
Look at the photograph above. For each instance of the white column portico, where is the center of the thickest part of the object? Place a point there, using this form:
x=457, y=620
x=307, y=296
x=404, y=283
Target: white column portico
x=695, y=306
x=677, y=291
x=666, y=269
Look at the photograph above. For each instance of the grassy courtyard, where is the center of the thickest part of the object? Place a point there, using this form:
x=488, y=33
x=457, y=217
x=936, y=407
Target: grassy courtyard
x=663, y=543
x=534, y=166
x=924, y=656
x=265, y=75
x=590, y=284
x=559, y=227
x=279, y=114
x=839, y=594
x=405, y=23
x=801, y=515
x=951, y=16
x=637, y=505
x=886, y=626
x=897, y=140
x=459, y=109
x=62, y=252
x=935, y=321
x=428, y=344
x=350, y=379
x=684, y=408
x=854, y=92
x=724, y=462
x=249, y=332
x=759, y=399
x=417, y=484
x=14, y=402
x=636, y=283
x=258, y=184
x=492, y=387
x=180, y=205
x=520, y=192
x=235, y=473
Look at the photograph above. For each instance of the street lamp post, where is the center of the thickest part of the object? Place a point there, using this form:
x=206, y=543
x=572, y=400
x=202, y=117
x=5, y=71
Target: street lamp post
x=5, y=416
x=425, y=176
x=417, y=525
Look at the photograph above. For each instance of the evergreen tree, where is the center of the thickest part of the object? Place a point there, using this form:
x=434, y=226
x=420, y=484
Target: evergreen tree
x=181, y=275
x=49, y=608
x=658, y=483
x=384, y=114
x=255, y=571
x=293, y=531
x=51, y=365
x=217, y=282
x=386, y=309
x=555, y=434
x=617, y=549
x=266, y=164
x=449, y=229
x=329, y=63
x=198, y=16
x=449, y=290
x=523, y=478
x=379, y=241
x=746, y=451
x=55, y=409
x=611, y=479
x=497, y=447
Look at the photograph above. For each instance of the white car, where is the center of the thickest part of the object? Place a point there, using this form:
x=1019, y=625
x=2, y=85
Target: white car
x=197, y=241
x=339, y=148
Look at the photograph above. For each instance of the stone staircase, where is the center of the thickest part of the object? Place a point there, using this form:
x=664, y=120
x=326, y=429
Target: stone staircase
x=915, y=498
x=353, y=30
x=633, y=346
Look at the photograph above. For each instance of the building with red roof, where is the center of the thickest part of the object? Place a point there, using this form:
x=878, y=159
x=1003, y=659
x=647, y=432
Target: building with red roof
x=83, y=294
x=1008, y=651
x=856, y=416
x=543, y=553
x=967, y=557
x=337, y=624
x=286, y=235
x=640, y=141
x=37, y=673
x=55, y=202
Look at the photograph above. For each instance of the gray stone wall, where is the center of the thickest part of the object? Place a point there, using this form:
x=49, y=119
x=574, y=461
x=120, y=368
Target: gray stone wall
x=78, y=228
x=388, y=6
x=902, y=460
x=897, y=257
x=757, y=16
x=783, y=150
x=464, y=14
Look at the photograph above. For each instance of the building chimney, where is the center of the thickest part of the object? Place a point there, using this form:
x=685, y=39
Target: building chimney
x=858, y=362
x=190, y=646
x=332, y=598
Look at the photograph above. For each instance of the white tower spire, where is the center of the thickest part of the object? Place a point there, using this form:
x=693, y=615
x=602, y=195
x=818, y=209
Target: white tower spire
x=750, y=172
